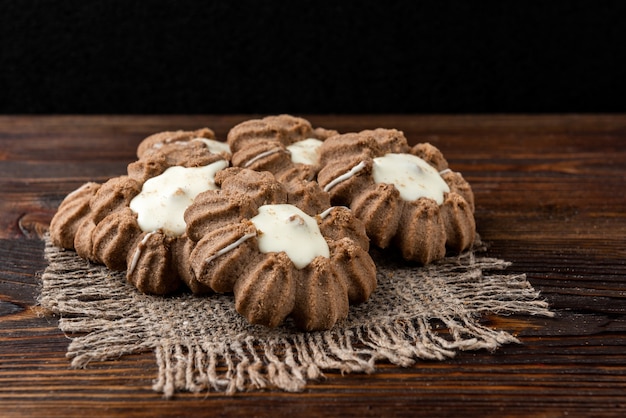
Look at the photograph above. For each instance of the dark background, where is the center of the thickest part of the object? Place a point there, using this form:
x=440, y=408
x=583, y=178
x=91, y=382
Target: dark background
x=195, y=57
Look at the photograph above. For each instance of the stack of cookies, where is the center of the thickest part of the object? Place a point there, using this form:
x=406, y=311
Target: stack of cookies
x=281, y=215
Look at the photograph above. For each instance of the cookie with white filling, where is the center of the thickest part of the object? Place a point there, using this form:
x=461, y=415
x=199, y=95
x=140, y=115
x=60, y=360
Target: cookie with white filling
x=285, y=145
x=135, y=223
x=281, y=255
x=406, y=196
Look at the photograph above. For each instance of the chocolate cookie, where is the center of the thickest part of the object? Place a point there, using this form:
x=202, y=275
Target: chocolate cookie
x=135, y=222
x=283, y=145
x=279, y=254
x=180, y=148
x=407, y=197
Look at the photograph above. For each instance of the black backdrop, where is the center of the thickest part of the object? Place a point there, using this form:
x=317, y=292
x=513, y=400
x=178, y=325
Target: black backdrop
x=122, y=56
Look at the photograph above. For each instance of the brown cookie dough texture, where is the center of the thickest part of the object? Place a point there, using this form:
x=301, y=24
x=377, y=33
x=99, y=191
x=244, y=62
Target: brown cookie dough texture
x=97, y=222
x=261, y=145
x=160, y=151
x=224, y=255
x=70, y=214
x=421, y=228
x=168, y=141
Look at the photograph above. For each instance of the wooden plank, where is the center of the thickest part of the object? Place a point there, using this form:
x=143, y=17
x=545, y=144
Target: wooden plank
x=550, y=198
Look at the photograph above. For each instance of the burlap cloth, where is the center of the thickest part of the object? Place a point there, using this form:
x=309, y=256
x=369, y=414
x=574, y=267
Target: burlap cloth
x=201, y=343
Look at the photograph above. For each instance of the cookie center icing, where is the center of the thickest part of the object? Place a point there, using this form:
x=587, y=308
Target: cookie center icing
x=412, y=176
x=305, y=151
x=164, y=198
x=286, y=228
x=214, y=146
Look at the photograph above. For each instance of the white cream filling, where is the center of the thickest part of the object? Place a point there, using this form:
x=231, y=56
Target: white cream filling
x=305, y=151
x=352, y=172
x=411, y=175
x=262, y=155
x=325, y=213
x=138, y=252
x=164, y=198
x=286, y=228
x=230, y=247
x=214, y=145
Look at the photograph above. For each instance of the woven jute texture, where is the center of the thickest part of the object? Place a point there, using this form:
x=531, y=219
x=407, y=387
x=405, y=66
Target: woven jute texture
x=203, y=344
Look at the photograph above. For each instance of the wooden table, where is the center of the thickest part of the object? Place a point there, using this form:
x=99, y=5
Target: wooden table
x=551, y=198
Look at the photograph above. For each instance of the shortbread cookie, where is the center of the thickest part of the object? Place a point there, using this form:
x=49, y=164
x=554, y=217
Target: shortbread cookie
x=172, y=140
x=284, y=145
x=135, y=222
x=180, y=148
x=280, y=254
x=71, y=213
x=405, y=196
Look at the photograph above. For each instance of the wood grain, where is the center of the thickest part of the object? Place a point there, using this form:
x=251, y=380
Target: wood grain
x=551, y=198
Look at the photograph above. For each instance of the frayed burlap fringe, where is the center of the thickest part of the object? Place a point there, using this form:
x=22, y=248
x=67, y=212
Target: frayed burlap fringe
x=201, y=343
